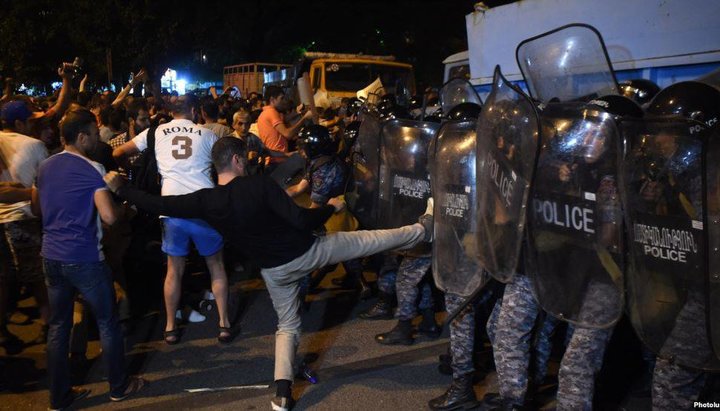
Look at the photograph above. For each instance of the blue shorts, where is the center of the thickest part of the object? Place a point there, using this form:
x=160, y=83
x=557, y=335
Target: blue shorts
x=177, y=233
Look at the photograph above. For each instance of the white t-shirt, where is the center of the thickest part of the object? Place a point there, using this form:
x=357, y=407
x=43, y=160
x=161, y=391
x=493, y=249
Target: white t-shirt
x=182, y=150
x=20, y=157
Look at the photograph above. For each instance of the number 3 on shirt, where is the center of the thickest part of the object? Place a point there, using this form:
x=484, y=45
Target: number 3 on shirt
x=182, y=147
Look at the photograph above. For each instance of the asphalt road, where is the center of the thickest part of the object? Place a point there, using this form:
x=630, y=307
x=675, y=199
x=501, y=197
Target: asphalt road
x=354, y=372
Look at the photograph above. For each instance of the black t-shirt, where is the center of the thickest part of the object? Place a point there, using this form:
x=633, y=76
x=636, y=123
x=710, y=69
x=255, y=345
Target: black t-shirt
x=253, y=213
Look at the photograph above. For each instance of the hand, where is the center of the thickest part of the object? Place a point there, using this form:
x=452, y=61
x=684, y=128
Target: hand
x=139, y=77
x=212, y=90
x=308, y=115
x=338, y=203
x=114, y=181
x=299, y=109
x=65, y=72
x=564, y=172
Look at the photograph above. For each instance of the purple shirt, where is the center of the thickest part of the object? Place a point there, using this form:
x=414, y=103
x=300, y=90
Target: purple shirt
x=72, y=231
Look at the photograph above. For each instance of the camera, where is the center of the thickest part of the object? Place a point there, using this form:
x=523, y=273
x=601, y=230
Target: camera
x=75, y=68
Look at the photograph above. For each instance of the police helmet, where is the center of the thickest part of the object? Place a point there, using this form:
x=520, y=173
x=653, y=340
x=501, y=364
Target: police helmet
x=353, y=107
x=351, y=132
x=315, y=141
x=389, y=111
x=464, y=112
x=618, y=105
x=690, y=99
x=640, y=90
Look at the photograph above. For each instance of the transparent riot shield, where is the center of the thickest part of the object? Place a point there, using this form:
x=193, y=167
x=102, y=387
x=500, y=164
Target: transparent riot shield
x=574, y=217
x=362, y=196
x=457, y=91
x=566, y=64
x=712, y=177
x=404, y=183
x=452, y=174
x=507, y=148
x=662, y=179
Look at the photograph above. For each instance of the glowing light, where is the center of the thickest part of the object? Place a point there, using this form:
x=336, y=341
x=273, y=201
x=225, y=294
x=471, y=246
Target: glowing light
x=180, y=86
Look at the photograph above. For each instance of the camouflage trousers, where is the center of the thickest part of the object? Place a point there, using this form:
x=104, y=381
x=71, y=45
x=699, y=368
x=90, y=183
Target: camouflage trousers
x=462, y=335
x=582, y=361
x=510, y=328
x=411, y=273
x=388, y=273
x=676, y=387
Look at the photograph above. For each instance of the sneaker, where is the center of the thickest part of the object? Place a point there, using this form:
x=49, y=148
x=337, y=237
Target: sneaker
x=196, y=317
x=135, y=384
x=75, y=394
x=282, y=403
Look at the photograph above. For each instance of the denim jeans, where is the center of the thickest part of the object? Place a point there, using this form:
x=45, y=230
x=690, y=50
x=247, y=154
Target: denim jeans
x=283, y=282
x=94, y=282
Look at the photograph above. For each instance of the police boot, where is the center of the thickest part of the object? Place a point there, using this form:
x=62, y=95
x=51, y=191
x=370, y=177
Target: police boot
x=493, y=402
x=401, y=334
x=381, y=310
x=428, y=327
x=460, y=395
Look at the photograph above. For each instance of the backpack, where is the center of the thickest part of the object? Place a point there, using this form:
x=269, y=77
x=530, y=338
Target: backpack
x=145, y=175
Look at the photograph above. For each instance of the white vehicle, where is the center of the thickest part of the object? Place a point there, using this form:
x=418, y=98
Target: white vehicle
x=664, y=41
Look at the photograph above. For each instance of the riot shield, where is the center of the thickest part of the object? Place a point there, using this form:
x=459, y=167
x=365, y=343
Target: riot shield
x=507, y=149
x=712, y=177
x=574, y=217
x=404, y=184
x=362, y=196
x=662, y=186
x=452, y=174
x=566, y=64
x=457, y=91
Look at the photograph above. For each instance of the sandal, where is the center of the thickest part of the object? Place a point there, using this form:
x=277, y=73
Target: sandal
x=225, y=335
x=135, y=384
x=172, y=337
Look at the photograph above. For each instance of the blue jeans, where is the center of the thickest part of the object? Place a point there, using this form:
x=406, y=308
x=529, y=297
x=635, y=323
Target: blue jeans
x=94, y=282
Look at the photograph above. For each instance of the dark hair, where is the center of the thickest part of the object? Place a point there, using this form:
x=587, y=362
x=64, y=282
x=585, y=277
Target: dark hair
x=273, y=92
x=105, y=115
x=84, y=98
x=184, y=104
x=134, y=108
x=211, y=109
x=74, y=122
x=118, y=115
x=224, y=149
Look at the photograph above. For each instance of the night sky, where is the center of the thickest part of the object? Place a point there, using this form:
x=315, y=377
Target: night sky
x=36, y=35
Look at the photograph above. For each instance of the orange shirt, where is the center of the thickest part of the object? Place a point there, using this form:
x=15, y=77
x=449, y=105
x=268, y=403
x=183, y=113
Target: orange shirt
x=269, y=118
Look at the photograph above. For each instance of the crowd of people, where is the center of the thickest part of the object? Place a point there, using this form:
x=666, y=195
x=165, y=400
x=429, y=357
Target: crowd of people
x=85, y=175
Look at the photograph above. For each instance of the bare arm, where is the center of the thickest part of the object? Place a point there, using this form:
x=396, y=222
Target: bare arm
x=14, y=192
x=297, y=189
x=291, y=132
x=63, y=100
x=140, y=76
x=35, y=202
x=122, y=153
x=109, y=212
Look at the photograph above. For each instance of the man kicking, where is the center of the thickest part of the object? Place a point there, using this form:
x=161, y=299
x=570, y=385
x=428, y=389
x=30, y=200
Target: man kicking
x=254, y=213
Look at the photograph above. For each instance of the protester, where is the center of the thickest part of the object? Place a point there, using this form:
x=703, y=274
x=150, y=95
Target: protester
x=72, y=198
x=253, y=212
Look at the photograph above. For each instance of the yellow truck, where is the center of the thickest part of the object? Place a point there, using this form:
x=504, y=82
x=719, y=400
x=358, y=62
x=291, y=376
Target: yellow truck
x=334, y=75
